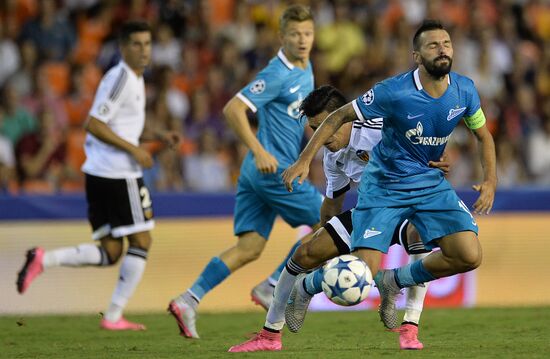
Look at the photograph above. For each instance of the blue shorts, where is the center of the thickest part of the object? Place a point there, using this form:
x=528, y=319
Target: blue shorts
x=434, y=211
x=261, y=197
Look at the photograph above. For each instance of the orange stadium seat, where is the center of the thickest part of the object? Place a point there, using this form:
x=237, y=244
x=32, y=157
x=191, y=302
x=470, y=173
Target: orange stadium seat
x=57, y=75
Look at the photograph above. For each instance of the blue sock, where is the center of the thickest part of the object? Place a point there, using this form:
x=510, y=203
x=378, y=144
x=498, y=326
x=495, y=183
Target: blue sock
x=213, y=274
x=274, y=277
x=412, y=274
x=313, y=282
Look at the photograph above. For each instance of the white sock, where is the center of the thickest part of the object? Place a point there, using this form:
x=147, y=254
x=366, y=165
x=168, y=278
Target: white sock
x=415, y=296
x=82, y=255
x=131, y=271
x=276, y=314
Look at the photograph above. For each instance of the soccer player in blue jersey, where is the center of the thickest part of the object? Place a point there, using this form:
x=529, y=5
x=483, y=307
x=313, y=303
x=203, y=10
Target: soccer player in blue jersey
x=275, y=96
x=420, y=109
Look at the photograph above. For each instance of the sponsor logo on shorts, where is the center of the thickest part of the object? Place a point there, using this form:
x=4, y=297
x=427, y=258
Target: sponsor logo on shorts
x=371, y=233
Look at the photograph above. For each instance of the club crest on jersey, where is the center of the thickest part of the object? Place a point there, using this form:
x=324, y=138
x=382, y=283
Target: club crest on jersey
x=368, y=97
x=363, y=155
x=257, y=87
x=455, y=112
x=415, y=136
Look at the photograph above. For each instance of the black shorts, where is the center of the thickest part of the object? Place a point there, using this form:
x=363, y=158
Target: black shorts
x=118, y=207
x=340, y=227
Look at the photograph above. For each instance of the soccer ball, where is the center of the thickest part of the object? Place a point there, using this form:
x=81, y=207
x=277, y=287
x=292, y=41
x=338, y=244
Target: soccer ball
x=346, y=280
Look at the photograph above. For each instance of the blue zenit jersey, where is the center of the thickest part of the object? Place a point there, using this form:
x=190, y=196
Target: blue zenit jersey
x=416, y=127
x=275, y=96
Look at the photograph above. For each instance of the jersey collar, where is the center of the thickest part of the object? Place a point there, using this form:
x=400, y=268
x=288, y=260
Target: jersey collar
x=129, y=69
x=418, y=84
x=281, y=55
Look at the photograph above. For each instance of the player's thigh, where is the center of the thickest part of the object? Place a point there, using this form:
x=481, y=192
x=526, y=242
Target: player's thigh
x=374, y=227
x=440, y=215
x=252, y=214
x=315, y=252
x=302, y=206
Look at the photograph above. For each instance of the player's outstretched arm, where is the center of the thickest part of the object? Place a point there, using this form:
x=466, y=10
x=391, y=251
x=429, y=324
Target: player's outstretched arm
x=487, y=154
x=235, y=114
x=330, y=125
x=104, y=133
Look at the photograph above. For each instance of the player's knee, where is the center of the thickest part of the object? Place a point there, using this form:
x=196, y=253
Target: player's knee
x=141, y=240
x=251, y=255
x=248, y=253
x=112, y=253
x=470, y=258
x=305, y=256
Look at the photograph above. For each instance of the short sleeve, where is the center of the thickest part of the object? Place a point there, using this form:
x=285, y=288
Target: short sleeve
x=474, y=102
x=262, y=90
x=110, y=95
x=375, y=103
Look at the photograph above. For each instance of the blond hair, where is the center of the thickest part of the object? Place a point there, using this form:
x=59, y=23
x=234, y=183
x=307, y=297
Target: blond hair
x=295, y=12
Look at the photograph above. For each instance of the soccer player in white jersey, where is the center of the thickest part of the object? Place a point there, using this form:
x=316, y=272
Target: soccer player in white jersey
x=119, y=204
x=420, y=109
x=346, y=154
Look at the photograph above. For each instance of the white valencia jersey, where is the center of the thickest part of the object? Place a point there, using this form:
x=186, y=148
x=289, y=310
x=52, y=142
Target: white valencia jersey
x=120, y=103
x=347, y=164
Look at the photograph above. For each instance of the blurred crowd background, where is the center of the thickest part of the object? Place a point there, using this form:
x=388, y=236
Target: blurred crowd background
x=53, y=54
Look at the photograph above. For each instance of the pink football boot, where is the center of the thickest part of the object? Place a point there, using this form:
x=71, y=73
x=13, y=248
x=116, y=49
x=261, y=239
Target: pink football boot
x=408, y=337
x=121, y=324
x=263, y=341
x=31, y=269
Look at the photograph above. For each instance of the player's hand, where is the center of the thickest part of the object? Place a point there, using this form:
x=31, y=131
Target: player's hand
x=297, y=170
x=265, y=162
x=443, y=164
x=142, y=157
x=170, y=138
x=484, y=203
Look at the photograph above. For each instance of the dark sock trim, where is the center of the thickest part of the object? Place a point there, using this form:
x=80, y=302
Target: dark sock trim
x=271, y=330
x=192, y=296
x=138, y=252
x=294, y=268
x=411, y=323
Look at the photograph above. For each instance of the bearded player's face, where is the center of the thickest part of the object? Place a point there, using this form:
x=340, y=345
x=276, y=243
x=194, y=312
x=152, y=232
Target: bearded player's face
x=435, y=53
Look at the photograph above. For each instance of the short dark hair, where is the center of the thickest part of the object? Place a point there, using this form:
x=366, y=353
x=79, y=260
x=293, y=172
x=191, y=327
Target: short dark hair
x=324, y=98
x=130, y=27
x=427, y=25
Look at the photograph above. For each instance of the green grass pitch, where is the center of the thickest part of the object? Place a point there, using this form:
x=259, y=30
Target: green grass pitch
x=446, y=333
